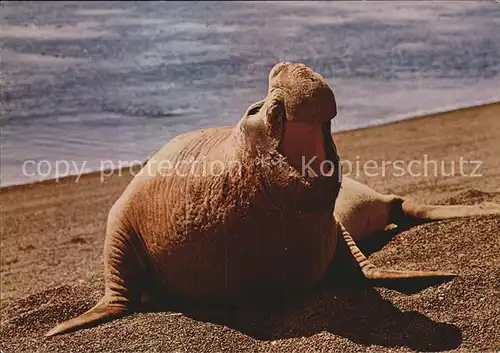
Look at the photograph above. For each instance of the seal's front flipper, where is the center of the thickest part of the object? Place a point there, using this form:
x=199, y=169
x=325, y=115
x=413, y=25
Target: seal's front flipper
x=102, y=312
x=384, y=277
x=380, y=274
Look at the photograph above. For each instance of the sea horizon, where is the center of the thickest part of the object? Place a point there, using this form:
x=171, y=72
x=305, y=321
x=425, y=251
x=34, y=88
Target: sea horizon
x=87, y=81
x=388, y=121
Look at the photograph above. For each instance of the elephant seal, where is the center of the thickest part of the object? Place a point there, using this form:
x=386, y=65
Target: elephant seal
x=219, y=212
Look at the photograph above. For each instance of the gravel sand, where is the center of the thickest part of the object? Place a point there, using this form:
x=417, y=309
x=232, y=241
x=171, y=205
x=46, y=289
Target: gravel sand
x=51, y=267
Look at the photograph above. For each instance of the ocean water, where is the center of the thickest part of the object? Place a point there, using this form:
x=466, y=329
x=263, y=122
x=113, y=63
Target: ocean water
x=101, y=83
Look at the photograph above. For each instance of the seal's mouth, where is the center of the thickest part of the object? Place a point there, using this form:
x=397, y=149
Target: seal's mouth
x=281, y=137
x=311, y=157
x=304, y=146
x=309, y=148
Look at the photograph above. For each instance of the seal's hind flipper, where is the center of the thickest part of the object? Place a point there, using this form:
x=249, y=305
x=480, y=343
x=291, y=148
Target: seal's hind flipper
x=102, y=312
x=371, y=272
x=420, y=213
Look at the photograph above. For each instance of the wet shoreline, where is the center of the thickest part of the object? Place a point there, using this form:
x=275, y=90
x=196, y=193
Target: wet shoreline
x=101, y=81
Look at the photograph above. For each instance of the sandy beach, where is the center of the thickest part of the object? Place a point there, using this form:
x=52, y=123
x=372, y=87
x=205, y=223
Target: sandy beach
x=52, y=237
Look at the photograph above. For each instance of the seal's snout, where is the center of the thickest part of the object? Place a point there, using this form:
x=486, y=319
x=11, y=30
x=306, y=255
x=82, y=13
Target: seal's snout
x=306, y=95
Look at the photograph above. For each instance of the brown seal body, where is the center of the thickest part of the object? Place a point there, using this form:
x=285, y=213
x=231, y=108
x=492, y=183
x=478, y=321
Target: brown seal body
x=222, y=211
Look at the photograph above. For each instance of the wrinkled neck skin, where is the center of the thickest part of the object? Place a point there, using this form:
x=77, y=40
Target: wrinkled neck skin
x=277, y=161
